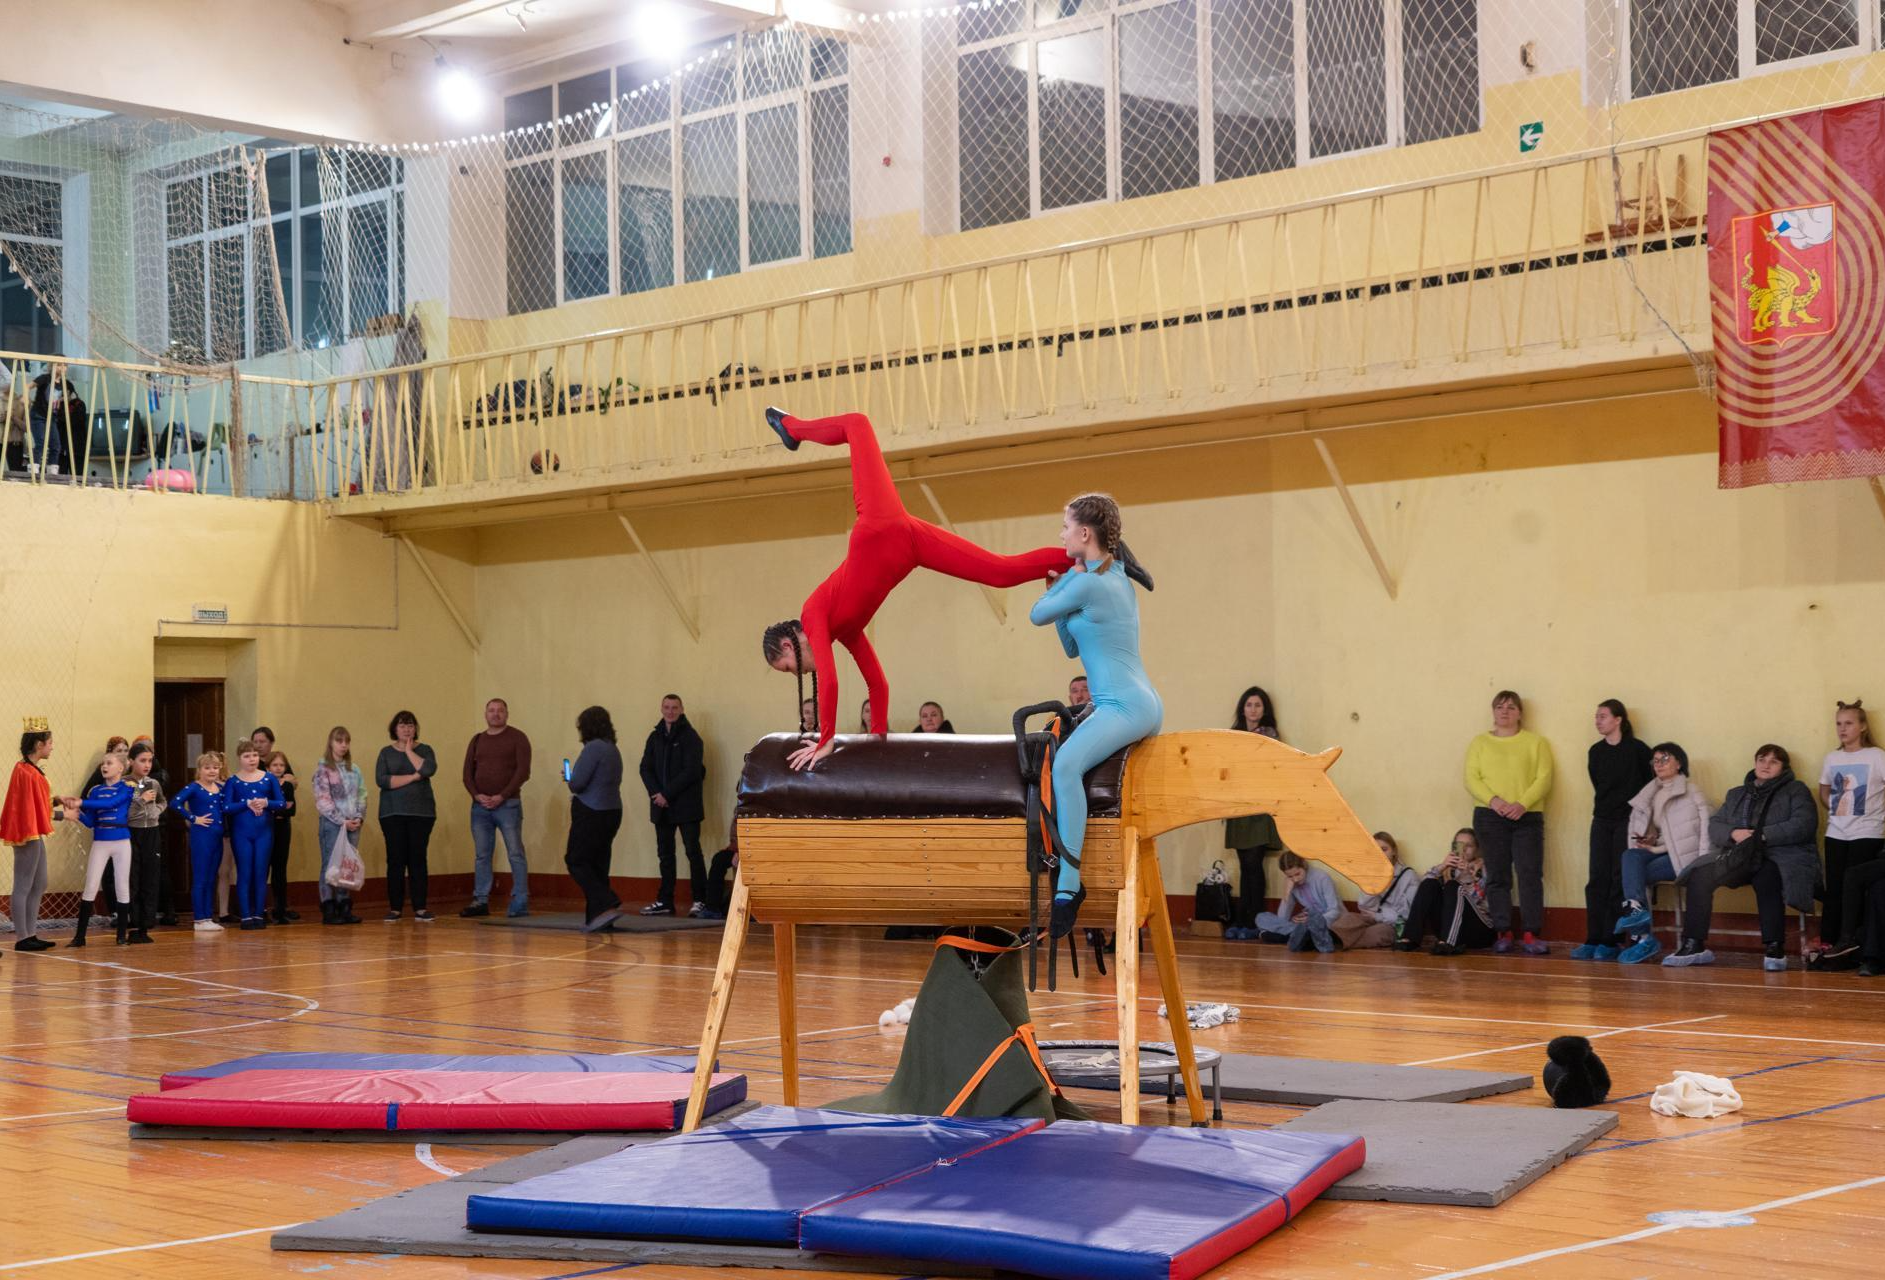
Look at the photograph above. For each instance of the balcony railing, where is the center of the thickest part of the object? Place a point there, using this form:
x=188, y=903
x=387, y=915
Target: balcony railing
x=1571, y=261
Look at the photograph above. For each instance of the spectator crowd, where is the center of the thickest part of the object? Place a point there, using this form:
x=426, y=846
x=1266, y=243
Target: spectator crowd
x=1651, y=825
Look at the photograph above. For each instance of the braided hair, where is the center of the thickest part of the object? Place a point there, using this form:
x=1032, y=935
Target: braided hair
x=773, y=644
x=1098, y=512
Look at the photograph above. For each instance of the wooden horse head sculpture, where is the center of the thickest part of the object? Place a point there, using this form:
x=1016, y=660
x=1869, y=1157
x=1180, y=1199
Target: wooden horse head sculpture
x=1177, y=779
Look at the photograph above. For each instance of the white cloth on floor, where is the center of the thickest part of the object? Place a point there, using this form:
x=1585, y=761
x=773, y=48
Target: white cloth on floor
x=1697, y=1096
x=1202, y=1017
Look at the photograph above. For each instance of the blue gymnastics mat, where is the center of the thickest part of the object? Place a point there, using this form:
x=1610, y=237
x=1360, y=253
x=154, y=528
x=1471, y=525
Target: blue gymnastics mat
x=312, y=1061
x=746, y=1181
x=1087, y=1201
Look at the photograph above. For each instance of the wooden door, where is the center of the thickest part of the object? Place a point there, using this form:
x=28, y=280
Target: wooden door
x=188, y=721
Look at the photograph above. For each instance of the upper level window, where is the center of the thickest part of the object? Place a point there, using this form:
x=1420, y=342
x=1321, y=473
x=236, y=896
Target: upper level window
x=650, y=178
x=310, y=246
x=1679, y=44
x=1061, y=103
x=32, y=222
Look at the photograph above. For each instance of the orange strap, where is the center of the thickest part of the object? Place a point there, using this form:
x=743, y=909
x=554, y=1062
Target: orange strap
x=1023, y=1033
x=971, y=944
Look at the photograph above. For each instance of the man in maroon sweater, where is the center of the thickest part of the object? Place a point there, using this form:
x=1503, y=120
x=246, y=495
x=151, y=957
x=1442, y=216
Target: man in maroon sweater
x=497, y=764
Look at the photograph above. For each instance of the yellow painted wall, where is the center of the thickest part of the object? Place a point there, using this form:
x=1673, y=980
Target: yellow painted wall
x=93, y=578
x=1573, y=554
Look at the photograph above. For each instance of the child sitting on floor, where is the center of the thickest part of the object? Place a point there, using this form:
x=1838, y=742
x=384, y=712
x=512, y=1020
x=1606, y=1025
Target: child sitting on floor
x=1308, y=907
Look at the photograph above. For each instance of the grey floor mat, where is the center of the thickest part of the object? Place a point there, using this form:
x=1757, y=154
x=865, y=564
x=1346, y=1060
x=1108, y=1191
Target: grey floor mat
x=1310, y=1082
x=1440, y=1153
x=572, y=922
x=430, y=1220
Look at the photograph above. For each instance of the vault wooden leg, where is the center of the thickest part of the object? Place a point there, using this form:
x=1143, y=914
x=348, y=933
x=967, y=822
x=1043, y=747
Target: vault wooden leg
x=785, y=960
x=1165, y=954
x=718, y=1002
x=1126, y=969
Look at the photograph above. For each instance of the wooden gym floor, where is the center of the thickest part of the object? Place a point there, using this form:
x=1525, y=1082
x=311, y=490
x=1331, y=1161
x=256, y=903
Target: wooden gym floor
x=1803, y=1164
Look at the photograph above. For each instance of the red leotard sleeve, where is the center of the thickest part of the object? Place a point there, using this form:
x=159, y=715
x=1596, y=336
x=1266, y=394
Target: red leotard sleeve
x=875, y=682
x=813, y=617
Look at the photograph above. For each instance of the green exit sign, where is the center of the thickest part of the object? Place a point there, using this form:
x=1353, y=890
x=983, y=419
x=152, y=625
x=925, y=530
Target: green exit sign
x=1530, y=135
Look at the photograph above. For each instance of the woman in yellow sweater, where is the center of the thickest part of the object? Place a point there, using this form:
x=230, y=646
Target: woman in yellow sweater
x=1508, y=771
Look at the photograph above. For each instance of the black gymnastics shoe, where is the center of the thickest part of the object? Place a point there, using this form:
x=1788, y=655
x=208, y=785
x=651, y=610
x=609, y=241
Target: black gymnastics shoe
x=1134, y=570
x=1066, y=911
x=775, y=418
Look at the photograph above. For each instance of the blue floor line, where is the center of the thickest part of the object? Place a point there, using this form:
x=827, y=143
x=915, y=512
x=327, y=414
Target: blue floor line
x=1740, y=1075
x=64, y=1066
x=53, y=1088
x=1730, y=1128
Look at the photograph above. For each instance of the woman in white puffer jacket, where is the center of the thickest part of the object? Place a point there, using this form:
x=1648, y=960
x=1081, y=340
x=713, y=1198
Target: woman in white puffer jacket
x=1668, y=833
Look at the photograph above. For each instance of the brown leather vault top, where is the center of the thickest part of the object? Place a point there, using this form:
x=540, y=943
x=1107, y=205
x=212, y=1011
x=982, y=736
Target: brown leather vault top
x=904, y=775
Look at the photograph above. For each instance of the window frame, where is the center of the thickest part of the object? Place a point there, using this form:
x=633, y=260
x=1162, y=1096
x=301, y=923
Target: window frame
x=1033, y=31
x=300, y=206
x=62, y=243
x=739, y=105
x=1870, y=16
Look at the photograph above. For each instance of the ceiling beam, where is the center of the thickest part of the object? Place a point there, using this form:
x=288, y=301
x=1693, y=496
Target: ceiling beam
x=409, y=19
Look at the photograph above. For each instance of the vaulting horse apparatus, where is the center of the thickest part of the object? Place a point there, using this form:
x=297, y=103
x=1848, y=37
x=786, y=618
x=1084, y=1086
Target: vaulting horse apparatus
x=932, y=829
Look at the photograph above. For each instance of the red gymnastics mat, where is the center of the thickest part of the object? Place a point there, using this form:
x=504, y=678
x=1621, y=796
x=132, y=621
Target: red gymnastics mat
x=395, y=1100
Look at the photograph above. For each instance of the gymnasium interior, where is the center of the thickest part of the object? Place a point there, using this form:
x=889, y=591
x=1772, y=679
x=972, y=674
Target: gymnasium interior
x=1445, y=397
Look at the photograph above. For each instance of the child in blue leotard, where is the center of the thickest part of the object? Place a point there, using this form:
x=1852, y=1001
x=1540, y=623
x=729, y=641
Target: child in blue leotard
x=106, y=809
x=1095, y=610
x=202, y=804
x=254, y=796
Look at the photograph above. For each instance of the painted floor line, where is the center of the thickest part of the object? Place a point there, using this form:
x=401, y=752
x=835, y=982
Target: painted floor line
x=1586, y=1246
x=48, y=1115
x=142, y=1248
x=1539, y=1044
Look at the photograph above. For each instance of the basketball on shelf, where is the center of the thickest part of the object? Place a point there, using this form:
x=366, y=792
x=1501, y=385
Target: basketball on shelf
x=536, y=463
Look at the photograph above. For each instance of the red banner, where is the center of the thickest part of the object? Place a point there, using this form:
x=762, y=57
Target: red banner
x=1796, y=273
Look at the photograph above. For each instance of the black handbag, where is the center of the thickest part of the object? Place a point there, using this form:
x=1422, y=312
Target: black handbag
x=1739, y=861
x=1213, y=901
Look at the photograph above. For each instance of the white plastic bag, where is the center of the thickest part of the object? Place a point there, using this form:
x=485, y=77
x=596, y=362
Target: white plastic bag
x=345, y=870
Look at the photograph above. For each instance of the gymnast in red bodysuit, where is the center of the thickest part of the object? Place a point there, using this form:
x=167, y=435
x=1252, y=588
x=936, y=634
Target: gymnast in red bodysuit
x=887, y=542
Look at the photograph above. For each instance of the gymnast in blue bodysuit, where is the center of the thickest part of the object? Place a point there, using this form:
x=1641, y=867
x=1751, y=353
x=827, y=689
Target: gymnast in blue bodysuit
x=1095, y=610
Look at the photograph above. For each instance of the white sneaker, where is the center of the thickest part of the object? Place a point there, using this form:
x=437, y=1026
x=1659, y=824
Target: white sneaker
x=208, y=926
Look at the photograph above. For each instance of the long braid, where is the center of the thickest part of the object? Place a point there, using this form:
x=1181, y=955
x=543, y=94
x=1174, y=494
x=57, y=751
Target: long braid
x=798, y=652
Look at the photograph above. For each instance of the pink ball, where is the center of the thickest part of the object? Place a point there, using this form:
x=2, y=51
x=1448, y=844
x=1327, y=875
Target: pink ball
x=171, y=480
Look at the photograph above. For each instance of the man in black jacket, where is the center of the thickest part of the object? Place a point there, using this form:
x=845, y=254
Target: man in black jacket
x=672, y=768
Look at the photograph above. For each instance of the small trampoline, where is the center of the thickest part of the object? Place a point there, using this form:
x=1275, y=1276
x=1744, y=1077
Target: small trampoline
x=1094, y=1064
x=357, y=1062
x=393, y=1100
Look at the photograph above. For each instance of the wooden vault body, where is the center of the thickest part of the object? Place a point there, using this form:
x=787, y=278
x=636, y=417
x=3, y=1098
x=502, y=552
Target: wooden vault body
x=802, y=865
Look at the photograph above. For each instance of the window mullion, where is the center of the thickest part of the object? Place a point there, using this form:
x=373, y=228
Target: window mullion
x=1299, y=59
x=1394, y=127
x=1034, y=127
x=1111, y=143
x=1207, y=120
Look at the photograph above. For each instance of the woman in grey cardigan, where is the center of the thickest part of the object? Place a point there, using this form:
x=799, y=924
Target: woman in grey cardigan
x=595, y=815
x=403, y=774
x=1777, y=806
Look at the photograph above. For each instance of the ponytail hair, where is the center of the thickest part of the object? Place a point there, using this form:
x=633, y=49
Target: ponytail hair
x=1100, y=513
x=1857, y=707
x=1616, y=708
x=773, y=643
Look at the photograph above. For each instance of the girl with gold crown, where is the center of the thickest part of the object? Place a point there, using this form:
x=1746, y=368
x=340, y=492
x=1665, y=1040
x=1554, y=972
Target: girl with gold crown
x=25, y=822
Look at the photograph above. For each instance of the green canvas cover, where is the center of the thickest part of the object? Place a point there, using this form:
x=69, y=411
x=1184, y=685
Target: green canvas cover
x=957, y=1022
